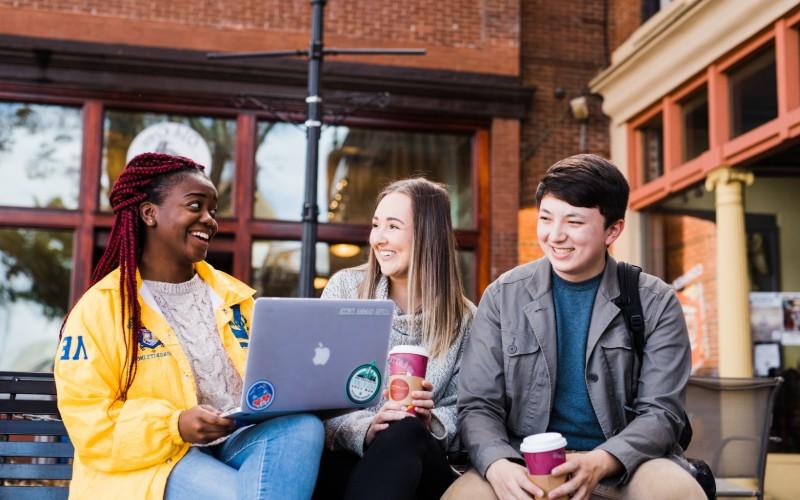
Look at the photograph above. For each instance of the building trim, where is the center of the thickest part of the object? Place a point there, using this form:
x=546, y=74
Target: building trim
x=183, y=77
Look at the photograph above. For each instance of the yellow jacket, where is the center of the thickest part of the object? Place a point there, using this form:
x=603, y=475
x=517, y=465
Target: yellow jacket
x=127, y=450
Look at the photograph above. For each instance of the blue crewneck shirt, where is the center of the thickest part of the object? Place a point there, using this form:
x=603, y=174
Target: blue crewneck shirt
x=572, y=414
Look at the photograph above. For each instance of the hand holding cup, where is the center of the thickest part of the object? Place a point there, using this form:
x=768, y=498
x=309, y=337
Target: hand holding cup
x=543, y=453
x=407, y=367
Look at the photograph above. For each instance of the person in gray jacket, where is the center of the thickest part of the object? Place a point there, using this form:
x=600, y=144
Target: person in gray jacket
x=383, y=451
x=549, y=351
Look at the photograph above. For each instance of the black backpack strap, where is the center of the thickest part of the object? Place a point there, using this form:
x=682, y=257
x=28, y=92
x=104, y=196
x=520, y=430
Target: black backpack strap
x=631, y=307
x=630, y=303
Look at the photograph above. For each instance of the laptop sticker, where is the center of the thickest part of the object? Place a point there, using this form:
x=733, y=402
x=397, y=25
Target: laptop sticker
x=364, y=383
x=260, y=395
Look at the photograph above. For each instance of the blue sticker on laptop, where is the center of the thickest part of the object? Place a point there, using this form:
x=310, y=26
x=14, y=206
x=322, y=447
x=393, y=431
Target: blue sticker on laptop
x=260, y=395
x=364, y=383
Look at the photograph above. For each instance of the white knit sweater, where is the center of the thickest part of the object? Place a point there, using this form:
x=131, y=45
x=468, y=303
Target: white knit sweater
x=347, y=432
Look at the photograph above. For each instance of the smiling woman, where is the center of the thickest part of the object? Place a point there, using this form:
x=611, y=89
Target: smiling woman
x=150, y=358
x=178, y=226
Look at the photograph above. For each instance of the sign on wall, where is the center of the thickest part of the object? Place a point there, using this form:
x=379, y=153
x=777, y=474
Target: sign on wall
x=171, y=138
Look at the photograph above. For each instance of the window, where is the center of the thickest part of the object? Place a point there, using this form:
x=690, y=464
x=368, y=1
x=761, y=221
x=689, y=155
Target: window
x=276, y=265
x=694, y=121
x=40, y=155
x=753, y=91
x=208, y=141
x=355, y=165
x=652, y=7
x=467, y=266
x=651, y=139
x=35, y=272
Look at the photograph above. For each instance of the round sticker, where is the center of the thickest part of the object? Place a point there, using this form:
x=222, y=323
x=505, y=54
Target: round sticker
x=398, y=389
x=363, y=384
x=260, y=395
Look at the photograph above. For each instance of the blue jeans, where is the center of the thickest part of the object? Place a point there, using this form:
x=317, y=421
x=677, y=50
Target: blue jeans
x=277, y=459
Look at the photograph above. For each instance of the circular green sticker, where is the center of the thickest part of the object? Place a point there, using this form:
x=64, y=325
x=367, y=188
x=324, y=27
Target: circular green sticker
x=364, y=383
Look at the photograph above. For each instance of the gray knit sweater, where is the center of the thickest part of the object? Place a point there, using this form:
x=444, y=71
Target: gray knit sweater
x=347, y=432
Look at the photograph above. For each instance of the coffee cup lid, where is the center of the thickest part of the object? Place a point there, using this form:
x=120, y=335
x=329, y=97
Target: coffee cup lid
x=546, y=441
x=409, y=349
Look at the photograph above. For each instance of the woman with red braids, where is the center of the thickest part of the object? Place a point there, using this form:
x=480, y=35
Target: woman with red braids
x=154, y=352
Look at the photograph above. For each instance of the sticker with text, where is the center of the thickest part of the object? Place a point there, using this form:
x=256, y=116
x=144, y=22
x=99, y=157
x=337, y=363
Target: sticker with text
x=364, y=383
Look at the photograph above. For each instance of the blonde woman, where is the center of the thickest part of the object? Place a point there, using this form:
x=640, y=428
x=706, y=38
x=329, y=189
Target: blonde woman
x=384, y=452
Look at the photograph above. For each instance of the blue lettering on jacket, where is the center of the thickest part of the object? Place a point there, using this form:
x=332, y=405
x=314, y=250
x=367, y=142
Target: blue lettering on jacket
x=239, y=326
x=67, y=352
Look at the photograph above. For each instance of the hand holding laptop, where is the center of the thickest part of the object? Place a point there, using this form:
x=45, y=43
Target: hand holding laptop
x=203, y=424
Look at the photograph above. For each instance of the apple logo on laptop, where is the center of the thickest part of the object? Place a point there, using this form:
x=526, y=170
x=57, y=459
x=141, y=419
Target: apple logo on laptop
x=321, y=354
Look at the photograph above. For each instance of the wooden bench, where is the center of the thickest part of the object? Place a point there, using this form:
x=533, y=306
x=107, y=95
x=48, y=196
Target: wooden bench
x=35, y=452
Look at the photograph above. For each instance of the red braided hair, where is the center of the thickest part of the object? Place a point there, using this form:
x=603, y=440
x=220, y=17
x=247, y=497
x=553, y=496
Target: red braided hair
x=143, y=179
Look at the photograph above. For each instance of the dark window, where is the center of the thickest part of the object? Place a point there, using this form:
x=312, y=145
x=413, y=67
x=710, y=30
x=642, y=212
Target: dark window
x=651, y=137
x=694, y=119
x=753, y=91
x=651, y=8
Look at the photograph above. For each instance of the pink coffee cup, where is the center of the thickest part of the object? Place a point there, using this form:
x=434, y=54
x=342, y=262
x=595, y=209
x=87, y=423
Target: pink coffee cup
x=543, y=453
x=407, y=367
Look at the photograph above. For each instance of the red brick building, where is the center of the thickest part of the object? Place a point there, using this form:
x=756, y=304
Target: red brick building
x=84, y=85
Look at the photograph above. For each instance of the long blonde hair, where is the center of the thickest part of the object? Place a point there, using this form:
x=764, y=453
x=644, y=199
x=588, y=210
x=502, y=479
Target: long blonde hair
x=433, y=275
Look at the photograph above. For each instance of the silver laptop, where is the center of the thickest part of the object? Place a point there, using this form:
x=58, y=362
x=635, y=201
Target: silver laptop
x=312, y=355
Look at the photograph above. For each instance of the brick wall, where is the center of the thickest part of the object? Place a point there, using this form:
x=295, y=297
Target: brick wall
x=503, y=195
x=468, y=35
x=563, y=46
x=626, y=16
x=691, y=241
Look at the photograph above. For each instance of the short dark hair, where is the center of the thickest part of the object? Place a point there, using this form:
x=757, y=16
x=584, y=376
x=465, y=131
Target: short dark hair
x=588, y=181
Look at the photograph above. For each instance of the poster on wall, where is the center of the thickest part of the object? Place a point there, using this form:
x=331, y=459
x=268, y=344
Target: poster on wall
x=791, y=311
x=690, y=294
x=766, y=316
x=766, y=356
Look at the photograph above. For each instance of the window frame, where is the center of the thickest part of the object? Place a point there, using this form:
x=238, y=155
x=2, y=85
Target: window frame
x=88, y=222
x=723, y=150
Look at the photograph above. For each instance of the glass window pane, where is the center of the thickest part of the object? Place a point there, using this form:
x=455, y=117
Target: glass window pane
x=208, y=141
x=35, y=269
x=694, y=116
x=652, y=144
x=355, y=165
x=219, y=258
x=276, y=265
x=753, y=92
x=469, y=272
x=40, y=155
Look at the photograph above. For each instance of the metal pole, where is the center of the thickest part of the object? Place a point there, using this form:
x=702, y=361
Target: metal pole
x=313, y=125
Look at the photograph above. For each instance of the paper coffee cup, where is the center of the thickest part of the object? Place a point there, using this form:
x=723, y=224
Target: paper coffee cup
x=407, y=367
x=543, y=453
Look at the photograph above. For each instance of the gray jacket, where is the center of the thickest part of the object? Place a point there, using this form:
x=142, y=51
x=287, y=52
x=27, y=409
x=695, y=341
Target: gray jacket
x=508, y=374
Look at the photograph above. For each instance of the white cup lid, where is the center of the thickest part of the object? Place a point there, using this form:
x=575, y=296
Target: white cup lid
x=546, y=441
x=409, y=349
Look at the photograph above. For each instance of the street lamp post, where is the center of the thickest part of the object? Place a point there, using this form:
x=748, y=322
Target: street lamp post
x=313, y=124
